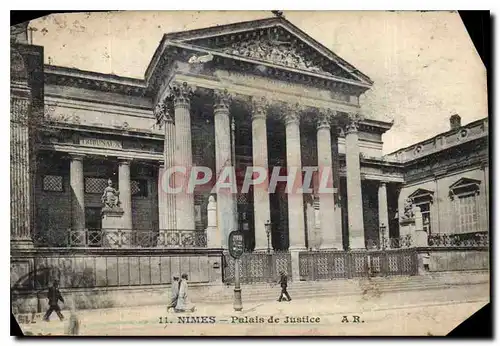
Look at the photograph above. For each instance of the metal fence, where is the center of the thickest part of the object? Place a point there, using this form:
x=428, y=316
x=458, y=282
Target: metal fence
x=328, y=265
x=476, y=239
x=121, y=238
x=403, y=242
x=258, y=267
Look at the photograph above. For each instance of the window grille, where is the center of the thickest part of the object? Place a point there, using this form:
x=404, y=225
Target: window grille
x=467, y=209
x=139, y=187
x=95, y=185
x=53, y=183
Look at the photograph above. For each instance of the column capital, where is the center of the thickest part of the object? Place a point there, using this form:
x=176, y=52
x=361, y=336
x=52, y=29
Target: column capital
x=222, y=100
x=181, y=93
x=324, y=119
x=162, y=113
x=353, y=122
x=124, y=160
x=259, y=107
x=382, y=183
x=292, y=113
x=76, y=156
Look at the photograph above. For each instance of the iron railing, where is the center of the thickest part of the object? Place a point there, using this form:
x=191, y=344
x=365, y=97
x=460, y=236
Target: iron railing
x=121, y=238
x=476, y=239
x=402, y=242
x=258, y=267
x=329, y=265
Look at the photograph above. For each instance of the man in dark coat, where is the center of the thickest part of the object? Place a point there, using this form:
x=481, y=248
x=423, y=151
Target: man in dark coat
x=54, y=296
x=283, y=283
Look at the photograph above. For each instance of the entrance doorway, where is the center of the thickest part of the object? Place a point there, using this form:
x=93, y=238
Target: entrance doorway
x=93, y=224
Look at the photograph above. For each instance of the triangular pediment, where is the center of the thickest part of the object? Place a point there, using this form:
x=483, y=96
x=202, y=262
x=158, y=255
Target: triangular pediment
x=421, y=194
x=274, y=41
x=465, y=183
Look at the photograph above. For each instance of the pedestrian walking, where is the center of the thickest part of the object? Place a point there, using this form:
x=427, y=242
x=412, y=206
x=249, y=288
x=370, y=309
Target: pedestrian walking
x=74, y=322
x=284, y=284
x=174, y=293
x=54, y=296
x=183, y=303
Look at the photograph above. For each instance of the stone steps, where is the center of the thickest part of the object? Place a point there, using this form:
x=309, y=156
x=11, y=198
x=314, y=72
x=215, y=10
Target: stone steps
x=338, y=287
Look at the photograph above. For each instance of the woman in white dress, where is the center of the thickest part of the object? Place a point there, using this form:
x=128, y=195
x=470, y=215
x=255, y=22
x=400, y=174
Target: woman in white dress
x=183, y=303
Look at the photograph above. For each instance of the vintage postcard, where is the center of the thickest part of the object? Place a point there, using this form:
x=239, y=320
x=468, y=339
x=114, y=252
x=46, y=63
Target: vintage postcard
x=248, y=173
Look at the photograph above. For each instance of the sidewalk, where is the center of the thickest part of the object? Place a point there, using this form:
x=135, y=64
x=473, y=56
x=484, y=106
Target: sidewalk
x=374, y=305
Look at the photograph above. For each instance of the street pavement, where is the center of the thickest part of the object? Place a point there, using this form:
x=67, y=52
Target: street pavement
x=428, y=312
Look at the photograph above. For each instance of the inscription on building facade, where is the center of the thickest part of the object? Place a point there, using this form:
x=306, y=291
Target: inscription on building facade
x=96, y=142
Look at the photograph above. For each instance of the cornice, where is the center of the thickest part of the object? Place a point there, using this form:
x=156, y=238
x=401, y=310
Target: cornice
x=66, y=76
x=131, y=133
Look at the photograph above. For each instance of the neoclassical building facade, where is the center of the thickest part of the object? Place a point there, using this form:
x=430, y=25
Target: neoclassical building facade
x=260, y=93
x=249, y=94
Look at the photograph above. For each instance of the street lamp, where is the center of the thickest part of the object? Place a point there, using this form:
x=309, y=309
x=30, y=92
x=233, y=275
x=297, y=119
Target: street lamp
x=268, y=233
x=382, y=233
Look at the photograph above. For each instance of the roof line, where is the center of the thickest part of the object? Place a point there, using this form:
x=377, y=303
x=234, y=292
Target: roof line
x=214, y=52
x=73, y=72
x=436, y=136
x=184, y=35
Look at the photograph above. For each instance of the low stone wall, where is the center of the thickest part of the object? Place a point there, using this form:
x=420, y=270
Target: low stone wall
x=441, y=259
x=92, y=278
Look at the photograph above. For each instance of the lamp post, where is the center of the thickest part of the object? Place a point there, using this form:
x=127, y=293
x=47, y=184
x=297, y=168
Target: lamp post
x=382, y=233
x=268, y=233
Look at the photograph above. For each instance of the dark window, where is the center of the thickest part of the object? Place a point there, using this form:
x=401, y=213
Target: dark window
x=139, y=187
x=53, y=183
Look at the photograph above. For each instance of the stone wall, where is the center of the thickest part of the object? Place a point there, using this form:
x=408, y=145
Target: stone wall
x=454, y=259
x=443, y=215
x=108, y=277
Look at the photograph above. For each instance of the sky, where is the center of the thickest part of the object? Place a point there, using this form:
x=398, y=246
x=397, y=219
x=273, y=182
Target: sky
x=423, y=64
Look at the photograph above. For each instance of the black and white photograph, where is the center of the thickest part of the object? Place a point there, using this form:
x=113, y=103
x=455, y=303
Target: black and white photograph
x=248, y=173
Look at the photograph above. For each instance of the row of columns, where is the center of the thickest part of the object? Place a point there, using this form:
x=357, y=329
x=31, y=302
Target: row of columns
x=77, y=186
x=183, y=203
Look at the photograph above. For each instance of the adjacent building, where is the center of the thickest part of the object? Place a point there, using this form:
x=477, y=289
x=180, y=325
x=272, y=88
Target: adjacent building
x=260, y=93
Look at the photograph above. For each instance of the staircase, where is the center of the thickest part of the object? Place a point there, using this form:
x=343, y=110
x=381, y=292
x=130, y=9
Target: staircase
x=344, y=287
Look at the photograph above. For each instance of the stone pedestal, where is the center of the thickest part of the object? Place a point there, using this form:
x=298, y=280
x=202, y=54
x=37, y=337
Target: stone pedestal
x=311, y=235
x=407, y=227
x=420, y=234
x=112, y=220
x=213, y=234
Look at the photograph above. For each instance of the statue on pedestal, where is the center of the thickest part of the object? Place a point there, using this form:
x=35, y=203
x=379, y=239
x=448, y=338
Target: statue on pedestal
x=110, y=196
x=408, y=209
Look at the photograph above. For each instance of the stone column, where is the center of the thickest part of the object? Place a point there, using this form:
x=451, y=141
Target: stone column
x=330, y=237
x=261, y=204
x=184, y=203
x=77, y=192
x=294, y=166
x=383, y=213
x=21, y=183
x=353, y=178
x=296, y=227
x=226, y=206
x=125, y=192
x=166, y=200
